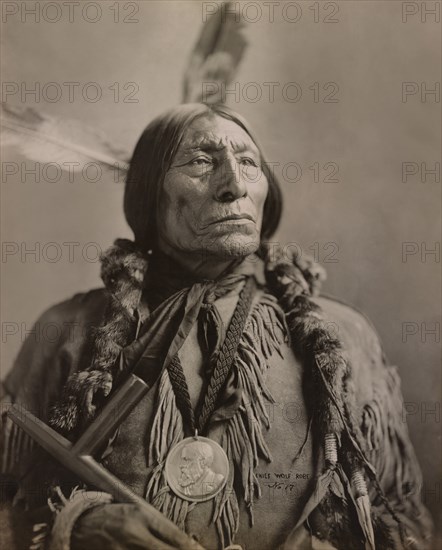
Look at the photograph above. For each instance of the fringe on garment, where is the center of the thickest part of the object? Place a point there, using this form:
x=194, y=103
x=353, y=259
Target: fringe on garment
x=343, y=484
x=293, y=281
x=243, y=439
x=383, y=427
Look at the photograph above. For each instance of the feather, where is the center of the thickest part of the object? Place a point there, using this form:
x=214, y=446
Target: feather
x=43, y=138
x=215, y=57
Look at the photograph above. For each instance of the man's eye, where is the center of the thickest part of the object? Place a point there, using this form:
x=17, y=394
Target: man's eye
x=249, y=162
x=200, y=161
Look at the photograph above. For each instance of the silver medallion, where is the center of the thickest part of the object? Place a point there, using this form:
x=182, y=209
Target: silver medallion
x=196, y=469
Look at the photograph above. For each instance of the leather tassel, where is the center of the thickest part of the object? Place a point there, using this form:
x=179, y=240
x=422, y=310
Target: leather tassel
x=363, y=507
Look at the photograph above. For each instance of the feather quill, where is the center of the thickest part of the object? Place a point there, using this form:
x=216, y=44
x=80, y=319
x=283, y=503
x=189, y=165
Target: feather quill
x=43, y=138
x=216, y=56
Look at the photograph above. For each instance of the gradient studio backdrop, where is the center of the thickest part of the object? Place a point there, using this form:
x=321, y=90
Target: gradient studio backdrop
x=356, y=226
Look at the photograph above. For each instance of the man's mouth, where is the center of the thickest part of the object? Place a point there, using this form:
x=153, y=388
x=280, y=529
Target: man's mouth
x=233, y=218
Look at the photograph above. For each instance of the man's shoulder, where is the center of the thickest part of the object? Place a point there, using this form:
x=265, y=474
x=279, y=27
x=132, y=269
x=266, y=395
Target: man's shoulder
x=79, y=307
x=360, y=342
x=346, y=321
x=57, y=339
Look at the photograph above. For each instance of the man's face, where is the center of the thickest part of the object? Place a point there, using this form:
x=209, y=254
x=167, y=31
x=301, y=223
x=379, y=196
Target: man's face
x=214, y=192
x=192, y=467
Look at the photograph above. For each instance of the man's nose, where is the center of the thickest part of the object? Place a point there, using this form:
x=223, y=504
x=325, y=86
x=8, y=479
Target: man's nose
x=230, y=185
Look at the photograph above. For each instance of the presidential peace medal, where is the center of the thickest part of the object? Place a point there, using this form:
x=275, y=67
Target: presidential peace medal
x=196, y=469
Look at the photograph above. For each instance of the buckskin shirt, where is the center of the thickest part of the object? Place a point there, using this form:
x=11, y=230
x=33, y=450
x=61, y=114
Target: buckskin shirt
x=273, y=421
x=287, y=469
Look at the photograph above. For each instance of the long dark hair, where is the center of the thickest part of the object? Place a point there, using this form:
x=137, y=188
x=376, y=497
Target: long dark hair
x=152, y=157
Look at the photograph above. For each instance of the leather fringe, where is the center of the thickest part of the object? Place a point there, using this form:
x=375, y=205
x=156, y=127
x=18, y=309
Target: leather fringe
x=293, y=281
x=243, y=439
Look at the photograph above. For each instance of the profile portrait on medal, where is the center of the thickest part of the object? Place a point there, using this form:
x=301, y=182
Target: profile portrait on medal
x=197, y=469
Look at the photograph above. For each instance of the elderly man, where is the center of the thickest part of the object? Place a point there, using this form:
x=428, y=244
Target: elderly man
x=290, y=391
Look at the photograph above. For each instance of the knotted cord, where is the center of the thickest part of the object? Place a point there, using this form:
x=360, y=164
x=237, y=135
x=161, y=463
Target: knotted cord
x=223, y=364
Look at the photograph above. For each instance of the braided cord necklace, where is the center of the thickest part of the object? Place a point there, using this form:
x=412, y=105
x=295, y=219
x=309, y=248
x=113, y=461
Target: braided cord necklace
x=197, y=468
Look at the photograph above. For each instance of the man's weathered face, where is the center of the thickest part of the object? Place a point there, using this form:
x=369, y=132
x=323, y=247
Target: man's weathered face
x=214, y=192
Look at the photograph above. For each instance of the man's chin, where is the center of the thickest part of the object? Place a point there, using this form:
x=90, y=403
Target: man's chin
x=233, y=246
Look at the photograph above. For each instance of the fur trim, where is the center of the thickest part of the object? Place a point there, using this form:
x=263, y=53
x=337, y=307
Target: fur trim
x=123, y=268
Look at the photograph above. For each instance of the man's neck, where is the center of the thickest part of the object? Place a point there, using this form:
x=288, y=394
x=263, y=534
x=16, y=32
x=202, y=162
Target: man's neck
x=203, y=266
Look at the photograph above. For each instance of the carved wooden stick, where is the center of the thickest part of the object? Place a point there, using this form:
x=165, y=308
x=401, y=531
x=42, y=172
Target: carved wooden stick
x=78, y=459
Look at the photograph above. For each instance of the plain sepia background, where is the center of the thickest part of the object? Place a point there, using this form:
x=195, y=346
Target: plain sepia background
x=376, y=229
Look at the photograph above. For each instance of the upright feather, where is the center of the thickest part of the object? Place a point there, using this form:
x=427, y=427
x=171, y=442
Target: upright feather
x=45, y=138
x=216, y=56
